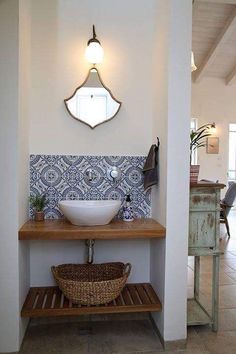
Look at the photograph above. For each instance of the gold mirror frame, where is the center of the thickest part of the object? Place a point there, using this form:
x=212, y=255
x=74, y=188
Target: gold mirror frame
x=83, y=84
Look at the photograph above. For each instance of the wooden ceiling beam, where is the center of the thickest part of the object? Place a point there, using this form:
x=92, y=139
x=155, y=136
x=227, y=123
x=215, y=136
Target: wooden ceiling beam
x=220, y=40
x=230, y=78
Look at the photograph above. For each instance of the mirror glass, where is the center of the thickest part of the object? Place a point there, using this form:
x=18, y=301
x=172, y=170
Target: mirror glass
x=92, y=103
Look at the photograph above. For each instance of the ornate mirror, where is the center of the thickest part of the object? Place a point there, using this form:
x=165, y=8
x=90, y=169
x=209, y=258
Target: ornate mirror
x=92, y=103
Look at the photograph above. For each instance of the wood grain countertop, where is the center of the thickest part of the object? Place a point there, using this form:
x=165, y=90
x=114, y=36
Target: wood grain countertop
x=62, y=229
x=207, y=184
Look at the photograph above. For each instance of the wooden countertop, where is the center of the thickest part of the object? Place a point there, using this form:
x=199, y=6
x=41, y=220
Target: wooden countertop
x=62, y=229
x=207, y=184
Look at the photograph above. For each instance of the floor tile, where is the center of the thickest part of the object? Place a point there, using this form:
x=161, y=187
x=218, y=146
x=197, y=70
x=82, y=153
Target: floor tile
x=228, y=255
x=227, y=320
x=226, y=279
x=194, y=342
x=228, y=296
x=117, y=337
x=232, y=275
x=55, y=339
x=218, y=343
x=230, y=262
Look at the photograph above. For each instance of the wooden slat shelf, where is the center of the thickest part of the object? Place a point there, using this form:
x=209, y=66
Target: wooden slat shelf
x=49, y=301
x=62, y=229
x=196, y=315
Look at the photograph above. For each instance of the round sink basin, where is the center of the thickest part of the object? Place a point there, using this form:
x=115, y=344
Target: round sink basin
x=89, y=212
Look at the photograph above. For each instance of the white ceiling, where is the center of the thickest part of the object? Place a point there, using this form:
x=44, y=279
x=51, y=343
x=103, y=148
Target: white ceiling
x=214, y=39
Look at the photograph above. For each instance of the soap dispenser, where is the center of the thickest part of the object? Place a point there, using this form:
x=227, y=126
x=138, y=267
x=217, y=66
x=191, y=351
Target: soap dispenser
x=128, y=210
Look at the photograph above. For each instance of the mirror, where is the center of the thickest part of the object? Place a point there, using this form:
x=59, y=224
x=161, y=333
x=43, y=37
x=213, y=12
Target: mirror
x=92, y=103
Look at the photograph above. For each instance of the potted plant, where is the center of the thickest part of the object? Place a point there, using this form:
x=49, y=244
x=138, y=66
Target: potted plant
x=197, y=140
x=38, y=203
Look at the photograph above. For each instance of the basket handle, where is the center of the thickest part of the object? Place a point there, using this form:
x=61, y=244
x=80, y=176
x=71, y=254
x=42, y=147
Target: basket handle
x=53, y=269
x=127, y=269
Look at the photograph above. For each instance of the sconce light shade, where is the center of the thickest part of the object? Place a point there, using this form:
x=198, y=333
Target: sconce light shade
x=213, y=128
x=193, y=66
x=94, y=51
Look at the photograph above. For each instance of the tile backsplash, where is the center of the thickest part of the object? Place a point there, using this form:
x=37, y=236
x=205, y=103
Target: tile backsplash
x=64, y=177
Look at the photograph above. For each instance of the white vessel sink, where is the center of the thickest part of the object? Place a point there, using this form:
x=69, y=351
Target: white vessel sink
x=89, y=212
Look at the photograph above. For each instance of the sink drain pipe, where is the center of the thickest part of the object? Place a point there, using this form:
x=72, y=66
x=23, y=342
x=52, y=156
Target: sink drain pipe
x=90, y=250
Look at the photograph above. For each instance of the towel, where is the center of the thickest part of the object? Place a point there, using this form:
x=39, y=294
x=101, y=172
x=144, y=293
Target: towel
x=150, y=168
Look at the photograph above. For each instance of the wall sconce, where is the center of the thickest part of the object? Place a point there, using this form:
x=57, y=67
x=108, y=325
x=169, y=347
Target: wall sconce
x=193, y=66
x=94, y=51
x=213, y=128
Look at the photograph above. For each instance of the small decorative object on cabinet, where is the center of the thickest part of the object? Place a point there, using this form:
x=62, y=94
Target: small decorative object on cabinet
x=197, y=140
x=128, y=214
x=38, y=203
x=204, y=235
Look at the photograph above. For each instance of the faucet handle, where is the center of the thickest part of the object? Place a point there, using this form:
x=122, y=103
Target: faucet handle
x=113, y=173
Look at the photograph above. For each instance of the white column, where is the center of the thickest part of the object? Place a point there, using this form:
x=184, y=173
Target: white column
x=14, y=277
x=170, y=200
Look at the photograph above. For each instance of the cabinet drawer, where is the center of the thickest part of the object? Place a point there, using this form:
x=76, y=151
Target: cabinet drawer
x=206, y=201
x=202, y=229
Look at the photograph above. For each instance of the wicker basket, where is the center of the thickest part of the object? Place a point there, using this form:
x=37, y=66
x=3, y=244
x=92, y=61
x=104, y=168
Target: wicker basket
x=91, y=284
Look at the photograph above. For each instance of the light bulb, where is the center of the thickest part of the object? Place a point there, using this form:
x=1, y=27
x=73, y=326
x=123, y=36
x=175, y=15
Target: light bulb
x=94, y=53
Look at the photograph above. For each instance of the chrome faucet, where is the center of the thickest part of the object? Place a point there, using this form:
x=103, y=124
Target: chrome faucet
x=113, y=174
x=90, y=175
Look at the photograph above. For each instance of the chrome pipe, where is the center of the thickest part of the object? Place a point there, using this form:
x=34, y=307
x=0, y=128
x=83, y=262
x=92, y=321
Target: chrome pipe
x=90, y=250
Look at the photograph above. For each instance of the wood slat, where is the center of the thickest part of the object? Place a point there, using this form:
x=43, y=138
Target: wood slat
x=65, y=303
x=134, y=298
x=133, y=293
x=57, y=302
x=49, y=293
x=41, y=297
x=126, y=296
x=142, y=294
x=30, y=299
x=119, y=301
x=151, y=293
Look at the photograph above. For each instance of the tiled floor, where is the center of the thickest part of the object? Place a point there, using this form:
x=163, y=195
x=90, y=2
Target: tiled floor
x=135, y=334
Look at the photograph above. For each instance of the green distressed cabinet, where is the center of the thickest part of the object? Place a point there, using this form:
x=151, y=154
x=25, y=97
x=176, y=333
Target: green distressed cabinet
x=204, y=235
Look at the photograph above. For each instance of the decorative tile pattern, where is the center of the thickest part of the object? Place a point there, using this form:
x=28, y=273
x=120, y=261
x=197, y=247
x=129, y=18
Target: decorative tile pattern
x=64, y=177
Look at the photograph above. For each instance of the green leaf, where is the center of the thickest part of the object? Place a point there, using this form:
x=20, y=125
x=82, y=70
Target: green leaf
x=38, y=202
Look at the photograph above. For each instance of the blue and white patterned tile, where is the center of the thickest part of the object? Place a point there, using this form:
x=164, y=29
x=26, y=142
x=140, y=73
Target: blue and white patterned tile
x=64, y=177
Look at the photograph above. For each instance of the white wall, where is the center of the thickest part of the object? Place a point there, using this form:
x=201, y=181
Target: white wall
x=172, y=195
x=14, y=152
x=160, y=114
x=9, y=302
x=23, y=151
x=60, y=33
x=213, y=101
x=45, y=254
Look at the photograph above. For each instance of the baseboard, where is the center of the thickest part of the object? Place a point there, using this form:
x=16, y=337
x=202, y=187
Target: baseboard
x=169, y=345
